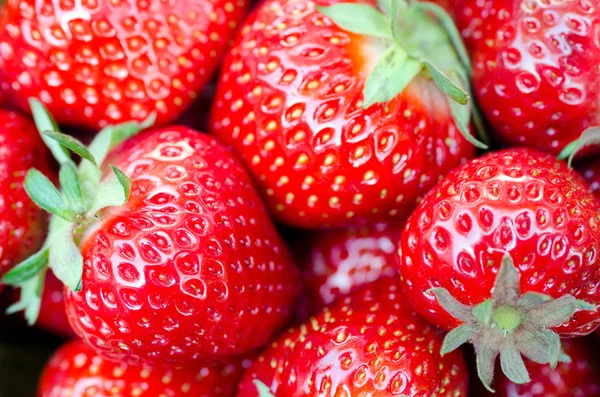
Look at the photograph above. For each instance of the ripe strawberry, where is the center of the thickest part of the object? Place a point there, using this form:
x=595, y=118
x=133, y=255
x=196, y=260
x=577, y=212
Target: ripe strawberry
x=99, y=62
x=22, y=224
x=591, y=173
x=188, y=268
x=75, y=370
x=371, y=343
x=508, y=216
x=580, y=377
x=534, y=67
x=338, y=125
x=343, y=261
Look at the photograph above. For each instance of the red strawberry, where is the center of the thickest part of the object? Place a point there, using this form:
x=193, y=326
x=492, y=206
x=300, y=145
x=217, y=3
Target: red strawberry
x=97, y=62
x=189, y=268
x=22, y=224
x=343, y=261
x=578, y=378
x=508, y=216
x=534, y=67
x=591, y=173
x=77, y=371
x=337, y=126
x=371, y=343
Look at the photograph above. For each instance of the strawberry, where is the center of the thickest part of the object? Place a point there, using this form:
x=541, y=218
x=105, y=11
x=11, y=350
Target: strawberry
x=343, y=261
x=504, y=252
x=371, y=343
x=343, y=113
x=534, y=67
x=591, y=173
x=75, y=370
x=107, y=61
x=22, y=224
x=172, y=259
x=578, y=377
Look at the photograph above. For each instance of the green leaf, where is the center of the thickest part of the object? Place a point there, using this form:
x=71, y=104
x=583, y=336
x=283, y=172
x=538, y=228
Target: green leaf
x=483, y=311
x=263, y=390
x=461, y=114
x=393, y=15
x=69, y=181
x=27, y=269
x=111, y=193
x=452, y=306
x=123, y=180
x=72, y=144
x=65, y=259
x=532, y=299
x=507, y=285
x=591, y=136
x=44, y=122
x=45, y=195
x=446, y=85
x=486, y=361
x=457, y=337
x=553, y=313
x=539, y=345
x=394, y=71
x=512, y=364
x=31, y=298
x=360, y=19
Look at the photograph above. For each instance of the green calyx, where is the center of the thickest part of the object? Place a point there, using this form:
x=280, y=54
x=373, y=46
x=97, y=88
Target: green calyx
x=421, y=40
x=74, y=205
x=590, y=136
x=510, y=325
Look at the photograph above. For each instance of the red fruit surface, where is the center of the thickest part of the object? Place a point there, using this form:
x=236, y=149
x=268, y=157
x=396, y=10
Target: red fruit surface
x=22, y=223
x=289, y=103
x=371, y=343
x=343, y=261
x=518, y=201
x=580, y=378
x=591, y=173
x=77, y=371
x=99, y=62
x=52, y=311
x=190, y=267
x=534, y=67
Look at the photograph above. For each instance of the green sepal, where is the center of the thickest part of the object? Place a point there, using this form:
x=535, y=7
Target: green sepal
x=64, y=258
x=71, y=143
x=591, y=136
x=484, y=311
x=263, y=390
x=360, y=19
x=513, y=365
x=27, y=269
x=46, y=195
x=31, y=298
x=111, y=193
x=446, y=85
x=69, y=181
x=393, y=14
x=394, y=71
x=457, y=337
x=44, y=122
x=123, y=180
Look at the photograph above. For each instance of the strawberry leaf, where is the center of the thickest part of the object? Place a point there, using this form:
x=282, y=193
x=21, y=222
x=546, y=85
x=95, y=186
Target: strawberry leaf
x=69, y=181
x=65, y=259
x=72, y=144
x=27, y=269
x=360, y=19
x=446, y=85
x=46, y=195
x=486, y=361
x=456, y=338
x=44, y=122
x=394, y=71
x=512, y=365
x=111, y=193
x=123, y=180
x=393, y=14
x=31, y=298
x=263, y=390
x=591, y=136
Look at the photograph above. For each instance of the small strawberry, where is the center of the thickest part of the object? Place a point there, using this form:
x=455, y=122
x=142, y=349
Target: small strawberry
x=75, y=370
x=370, y=343
x=578, y=377
x=505, y=253
x=591, y=173
x=22, y=224
x=534, y=67
x=98, y=62
x=344, y=112
x=171, y=259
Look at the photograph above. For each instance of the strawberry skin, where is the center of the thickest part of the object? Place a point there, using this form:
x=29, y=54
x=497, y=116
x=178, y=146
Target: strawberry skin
x=534, y=67
x=591, y=173
x=289, y=102
x=52, y=311
x=103, y=62
x=371, y=343
x=75, y=370
x=22, y=223
x=190, y=267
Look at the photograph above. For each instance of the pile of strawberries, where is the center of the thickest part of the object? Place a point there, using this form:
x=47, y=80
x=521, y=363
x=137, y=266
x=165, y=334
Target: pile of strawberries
x=391, y=198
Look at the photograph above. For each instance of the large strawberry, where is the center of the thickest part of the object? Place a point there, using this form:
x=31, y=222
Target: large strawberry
x=369, y=344
x=22, y=224
x=591, y=173
x=534, y=67
x=106, y=61
x=505, y=253
x=342, y=113
x=188, y=267
x=75, y=370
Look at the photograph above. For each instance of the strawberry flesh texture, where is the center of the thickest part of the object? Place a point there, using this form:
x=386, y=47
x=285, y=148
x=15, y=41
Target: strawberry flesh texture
x=111, y=61
x=77, y=371
x=190, y=267
x=520, y=201
x=591, y=173
x=22, y=223
x=534, y=67
x=371, y=343
x=289, y=103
